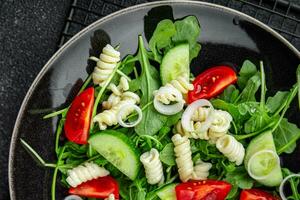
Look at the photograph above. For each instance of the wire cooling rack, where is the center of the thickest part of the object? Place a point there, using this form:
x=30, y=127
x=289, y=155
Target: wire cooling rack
x=283, y=16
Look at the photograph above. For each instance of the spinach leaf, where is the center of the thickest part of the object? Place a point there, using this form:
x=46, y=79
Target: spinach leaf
x=167, y=155
x=168, y=34
x=247, y=71
x=152, y=121
x=161, y=38
x=188, y=30
x=275, y=102
x=252, y=86
x=285, y=136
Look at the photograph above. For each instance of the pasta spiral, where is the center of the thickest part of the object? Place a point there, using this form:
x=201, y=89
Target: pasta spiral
x=109, y=117
x=173, y=91
x=220, y=124
x=117, y=91
x=201, y=170
x=231, y=148
x=182, y=84
x=153, y=166
x=183, y=155
x=197, y=134
x=105, y=64
x=85, y=172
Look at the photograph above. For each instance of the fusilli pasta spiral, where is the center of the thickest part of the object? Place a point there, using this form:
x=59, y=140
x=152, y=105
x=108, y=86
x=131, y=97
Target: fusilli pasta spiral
x=181, y=84
x=201, y=170
x=105, y=64
x=220, y=125
x=85, y=172
x=231, y=148
x=109, y=117
x=153, y=166
x=197, y=134
x=183, y=155
x=117, y=91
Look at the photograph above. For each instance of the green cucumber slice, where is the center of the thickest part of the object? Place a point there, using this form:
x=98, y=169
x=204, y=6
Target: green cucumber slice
x=167, y=192
x=264, y=164
x=175, y=63
x=116, y=147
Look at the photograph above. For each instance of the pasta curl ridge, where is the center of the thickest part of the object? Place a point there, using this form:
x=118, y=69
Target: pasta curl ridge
x=85, y=172
x=153, y=166
x=106, y=63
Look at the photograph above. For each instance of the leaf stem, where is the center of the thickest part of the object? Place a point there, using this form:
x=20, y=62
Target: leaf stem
x=53, y=186
x=263, y=85
x=298, y=83
x=124, y=75
x=242, y=137
x=101, y=93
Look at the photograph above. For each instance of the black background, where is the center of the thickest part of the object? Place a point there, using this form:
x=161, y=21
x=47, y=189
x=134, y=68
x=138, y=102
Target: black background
x=29, y=35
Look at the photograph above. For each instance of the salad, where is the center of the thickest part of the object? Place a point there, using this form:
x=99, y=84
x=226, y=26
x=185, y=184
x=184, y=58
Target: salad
x=144, y=128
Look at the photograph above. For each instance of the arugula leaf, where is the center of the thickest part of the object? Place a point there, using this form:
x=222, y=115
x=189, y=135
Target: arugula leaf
x=285, y=136
x=252, y=86
x=238, y=178
x=230, y=94
x=152, y=121
x=188, y=30
x=275, y=102
x=161, y=38
x=247, y=71
x=167, y=155
x=257, y=121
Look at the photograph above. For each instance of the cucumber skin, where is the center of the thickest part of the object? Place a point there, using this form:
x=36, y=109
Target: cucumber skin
x=121, y=136
x=161, y=193
x=165, y=70
x=264, y=141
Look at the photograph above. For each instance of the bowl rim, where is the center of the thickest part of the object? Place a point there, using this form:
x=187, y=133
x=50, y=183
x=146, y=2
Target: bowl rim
x=98, y=23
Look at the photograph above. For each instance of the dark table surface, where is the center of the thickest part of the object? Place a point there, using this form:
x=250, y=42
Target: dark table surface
x=29, y=34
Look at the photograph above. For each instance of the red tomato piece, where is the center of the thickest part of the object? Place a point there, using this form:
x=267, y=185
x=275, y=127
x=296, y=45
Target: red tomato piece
x=212, y=82
x=203, y=190
x=78, y=117
x=256, y=194
x=97, y=188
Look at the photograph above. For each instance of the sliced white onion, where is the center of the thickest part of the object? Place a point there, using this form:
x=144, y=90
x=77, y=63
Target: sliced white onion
x=189, y=111
x=251, y=161
x=73, y=197
x=168, y=109
x=281, y=187
x=122, y=111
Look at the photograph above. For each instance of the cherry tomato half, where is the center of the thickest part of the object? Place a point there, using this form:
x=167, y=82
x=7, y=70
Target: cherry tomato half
x=78, y=117
x=256, y=194
x=97, y=188
x=211, y=82
x=203, y=190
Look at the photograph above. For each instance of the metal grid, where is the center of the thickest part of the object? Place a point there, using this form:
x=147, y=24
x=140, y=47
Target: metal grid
x=281, y=15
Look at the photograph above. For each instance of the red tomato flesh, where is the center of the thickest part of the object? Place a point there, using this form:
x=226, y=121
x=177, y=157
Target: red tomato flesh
x=97, y=188
x=212, y=82
x=78, y=117
x=256, y=194
x=203, y=190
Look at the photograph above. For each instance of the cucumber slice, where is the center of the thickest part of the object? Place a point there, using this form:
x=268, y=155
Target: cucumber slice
x=167, y=192
x=116, y=147
x=264, y=164
x=175, y=63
